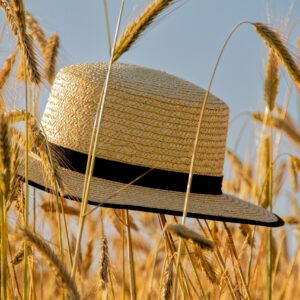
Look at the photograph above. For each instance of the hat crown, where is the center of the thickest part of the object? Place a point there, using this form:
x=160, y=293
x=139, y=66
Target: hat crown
x=150, y=118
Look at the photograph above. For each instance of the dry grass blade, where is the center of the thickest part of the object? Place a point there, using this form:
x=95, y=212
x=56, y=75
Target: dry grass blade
x=50, y=52
x=167, y=281
x=138, y=26
x=54, y=261
x=35, y=29
x=274, y=42
x=104, y=264
x=279, y=124
x=7, y=67
x=193, y=237
x=271, y=80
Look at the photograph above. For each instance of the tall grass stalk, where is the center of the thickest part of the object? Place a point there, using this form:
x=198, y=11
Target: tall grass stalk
x=130, y=259
x=93, y=147
x=189, y=183
x=270, y=185
x=26, y=212
x=123, y=258
x=107, y=26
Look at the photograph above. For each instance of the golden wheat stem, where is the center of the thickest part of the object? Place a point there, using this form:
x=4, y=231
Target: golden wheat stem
x=92, y=150
x=26, y=212
x=107, y=26
x=123, y=260
x=277, y=260
x=130, y=259
x=190, y=177
x=270, y=191
x=251, y=256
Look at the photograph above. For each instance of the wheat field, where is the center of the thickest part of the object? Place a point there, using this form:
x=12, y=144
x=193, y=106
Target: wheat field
x=53, y=248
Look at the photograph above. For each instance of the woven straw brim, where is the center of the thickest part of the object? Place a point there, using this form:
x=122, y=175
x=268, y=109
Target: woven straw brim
x=113, y=194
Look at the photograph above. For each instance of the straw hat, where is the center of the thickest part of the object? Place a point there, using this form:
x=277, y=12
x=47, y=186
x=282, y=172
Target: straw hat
x=149, y=121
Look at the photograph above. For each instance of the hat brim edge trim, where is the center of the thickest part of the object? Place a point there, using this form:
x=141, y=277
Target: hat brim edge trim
x=277, y=223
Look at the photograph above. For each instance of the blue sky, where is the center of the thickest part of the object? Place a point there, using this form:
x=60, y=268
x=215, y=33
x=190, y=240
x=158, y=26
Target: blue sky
x=185, y=42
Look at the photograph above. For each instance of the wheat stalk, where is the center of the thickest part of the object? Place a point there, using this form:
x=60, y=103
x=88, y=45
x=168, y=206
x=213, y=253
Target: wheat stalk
x=138, y=26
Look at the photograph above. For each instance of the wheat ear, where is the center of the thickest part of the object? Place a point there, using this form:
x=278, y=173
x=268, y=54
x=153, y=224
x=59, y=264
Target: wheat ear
x=138, y=26
x=280, y=124
x=274, y=42
x=50, y=53
x=7, y=67
x=271, y=80
x=16, y=20
x=104, y=264
x=35, y=29
x=54, y=261
x=191, y=236
x=48, y=206
x=167, y=284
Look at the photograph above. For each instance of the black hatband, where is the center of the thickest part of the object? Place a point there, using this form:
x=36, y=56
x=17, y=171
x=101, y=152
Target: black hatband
x=126, y=173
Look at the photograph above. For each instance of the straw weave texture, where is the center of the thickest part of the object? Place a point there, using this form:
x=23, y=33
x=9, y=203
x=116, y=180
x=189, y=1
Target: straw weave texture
x=150, y=117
